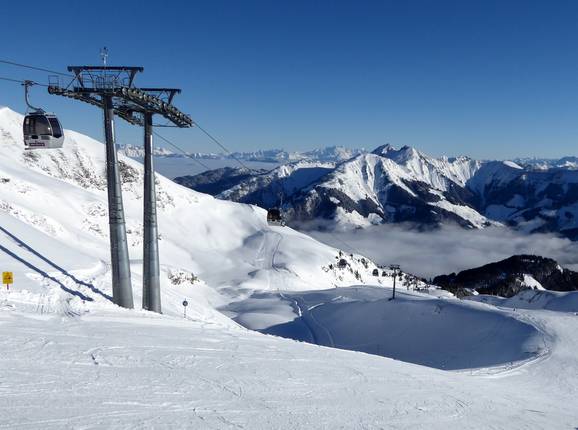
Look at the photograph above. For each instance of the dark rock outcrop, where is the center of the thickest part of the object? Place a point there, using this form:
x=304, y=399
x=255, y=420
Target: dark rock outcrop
x=508, y=277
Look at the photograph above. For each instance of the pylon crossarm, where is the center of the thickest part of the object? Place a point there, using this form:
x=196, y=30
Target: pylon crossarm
x=93, y=100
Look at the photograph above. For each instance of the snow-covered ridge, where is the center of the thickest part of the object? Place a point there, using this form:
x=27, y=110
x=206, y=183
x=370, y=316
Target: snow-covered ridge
x=382, y=186
x=438, y=172
x=60, y=196
x=543, y=164
x=391, y=185
x=134, y=151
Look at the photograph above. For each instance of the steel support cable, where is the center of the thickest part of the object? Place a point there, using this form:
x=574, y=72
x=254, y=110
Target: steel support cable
x=210, y=136
x=36, y=68
x=21, y=82
x=345, y=243
x=182, y=150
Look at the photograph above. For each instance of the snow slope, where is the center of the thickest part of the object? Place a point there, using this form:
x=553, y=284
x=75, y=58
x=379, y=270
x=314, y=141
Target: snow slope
x=534, y=299
x=438, y=172
x=70, y=358
x=131, y=369
x=59, y=200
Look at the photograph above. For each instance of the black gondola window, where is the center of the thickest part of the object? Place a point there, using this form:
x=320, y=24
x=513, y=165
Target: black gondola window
x=56, y=129
x=36, y=125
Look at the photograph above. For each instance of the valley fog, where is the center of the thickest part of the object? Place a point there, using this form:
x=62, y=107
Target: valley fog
x=448, y=249
x=171, y=167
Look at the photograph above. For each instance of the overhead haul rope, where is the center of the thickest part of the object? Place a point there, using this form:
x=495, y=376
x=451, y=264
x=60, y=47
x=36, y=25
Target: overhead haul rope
x=11, y=63
x=209, y=135
x=22, y=82
x=174, y=145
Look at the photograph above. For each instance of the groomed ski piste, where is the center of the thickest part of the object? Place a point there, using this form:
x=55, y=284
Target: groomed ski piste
x=350, y=358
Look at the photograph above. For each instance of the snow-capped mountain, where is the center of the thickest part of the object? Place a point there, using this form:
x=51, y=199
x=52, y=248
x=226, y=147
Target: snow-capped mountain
x=330, y=154
x=542, y=201
x=398, y=186
x=438, y=172
x=392, y=185
x=327, y=154
x=279, y=156
x=387, y=185
x=270, y=188
x=134, y=151
x=567, y=163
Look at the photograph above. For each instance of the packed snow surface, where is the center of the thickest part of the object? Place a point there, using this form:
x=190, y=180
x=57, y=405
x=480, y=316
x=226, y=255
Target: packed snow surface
x=415, y=327
x=535, y=299
x=70, y=358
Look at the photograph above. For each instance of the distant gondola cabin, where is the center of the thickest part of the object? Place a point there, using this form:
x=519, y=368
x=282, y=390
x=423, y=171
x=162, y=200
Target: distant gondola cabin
x=274, y=217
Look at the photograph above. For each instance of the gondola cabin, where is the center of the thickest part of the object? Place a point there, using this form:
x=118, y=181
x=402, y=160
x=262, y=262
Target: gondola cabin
x=274, y=217
x=42, y=131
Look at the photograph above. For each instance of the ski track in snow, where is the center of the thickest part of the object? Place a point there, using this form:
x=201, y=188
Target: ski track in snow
x=265, y=259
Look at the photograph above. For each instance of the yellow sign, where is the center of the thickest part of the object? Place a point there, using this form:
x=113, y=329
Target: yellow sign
x=7, y=278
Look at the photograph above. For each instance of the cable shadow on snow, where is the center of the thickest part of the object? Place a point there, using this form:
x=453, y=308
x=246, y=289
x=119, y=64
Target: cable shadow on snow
x=46, y=275
x=24, y=245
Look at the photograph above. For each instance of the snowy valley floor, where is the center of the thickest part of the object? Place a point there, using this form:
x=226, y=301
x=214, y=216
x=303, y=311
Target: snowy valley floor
x=431, y=328
x=133, y=369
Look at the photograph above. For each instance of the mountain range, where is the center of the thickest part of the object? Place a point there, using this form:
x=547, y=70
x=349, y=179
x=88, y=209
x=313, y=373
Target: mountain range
x=390, y=185
x=325, y=154
x=279, y=156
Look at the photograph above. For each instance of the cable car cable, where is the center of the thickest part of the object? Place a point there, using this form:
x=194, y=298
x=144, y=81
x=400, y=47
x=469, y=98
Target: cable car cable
x=182, y=150
x=21, y=82
x=11, y=80
x=351, y=248
x=210, y=136
x=36, y=68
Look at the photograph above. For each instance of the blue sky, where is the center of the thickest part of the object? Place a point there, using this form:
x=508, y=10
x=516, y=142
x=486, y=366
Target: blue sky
x=489, y=79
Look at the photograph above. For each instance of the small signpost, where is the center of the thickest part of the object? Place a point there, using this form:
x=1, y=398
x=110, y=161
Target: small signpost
x=396, y=271
x=7, y=279
x=185, y=304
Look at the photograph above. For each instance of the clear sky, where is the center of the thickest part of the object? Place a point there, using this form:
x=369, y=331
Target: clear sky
x=489, y=79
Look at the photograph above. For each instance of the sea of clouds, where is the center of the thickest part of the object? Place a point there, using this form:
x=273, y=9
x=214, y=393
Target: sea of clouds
x=449, y=248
